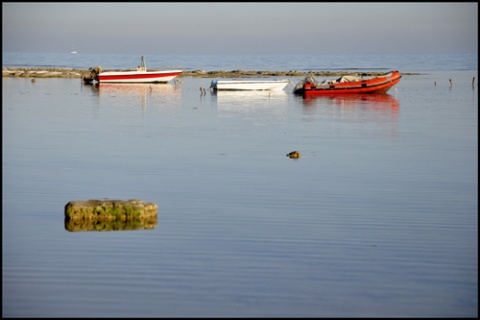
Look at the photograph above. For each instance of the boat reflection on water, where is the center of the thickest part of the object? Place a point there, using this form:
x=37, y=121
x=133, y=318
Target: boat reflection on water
x=103, y=226
x=360, y=107
x=138, y=91
x=251, y=103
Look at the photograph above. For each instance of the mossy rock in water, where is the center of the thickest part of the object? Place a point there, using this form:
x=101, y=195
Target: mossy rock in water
x=110, y=210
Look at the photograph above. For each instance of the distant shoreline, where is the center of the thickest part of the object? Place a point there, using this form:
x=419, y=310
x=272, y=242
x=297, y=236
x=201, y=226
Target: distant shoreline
x=16, y=72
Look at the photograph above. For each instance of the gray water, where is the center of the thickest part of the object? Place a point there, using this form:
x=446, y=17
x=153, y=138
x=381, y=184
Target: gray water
x=378, y=218
x=307, y=62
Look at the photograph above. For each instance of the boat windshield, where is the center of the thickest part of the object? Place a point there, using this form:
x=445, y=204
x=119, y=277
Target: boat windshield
x=143, y=66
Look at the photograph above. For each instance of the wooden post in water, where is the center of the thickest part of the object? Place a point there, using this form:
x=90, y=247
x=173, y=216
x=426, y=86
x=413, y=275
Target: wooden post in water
x=473, y=82
x=450, y=83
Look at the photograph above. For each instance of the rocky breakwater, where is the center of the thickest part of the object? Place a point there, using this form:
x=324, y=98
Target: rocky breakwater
x=16, y=72
x=42, y=72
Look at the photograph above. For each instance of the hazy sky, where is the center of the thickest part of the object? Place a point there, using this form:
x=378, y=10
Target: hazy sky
x=241, y=28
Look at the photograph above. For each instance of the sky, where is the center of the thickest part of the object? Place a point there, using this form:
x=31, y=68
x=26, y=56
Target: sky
x=257, y=28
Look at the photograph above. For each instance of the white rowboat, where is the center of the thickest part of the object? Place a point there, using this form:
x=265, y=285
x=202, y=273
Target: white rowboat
x=249, y=84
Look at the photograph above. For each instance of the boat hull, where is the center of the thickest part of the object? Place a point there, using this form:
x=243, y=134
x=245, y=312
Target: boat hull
x=380, y=84
x=138, y=76
x=252, y=85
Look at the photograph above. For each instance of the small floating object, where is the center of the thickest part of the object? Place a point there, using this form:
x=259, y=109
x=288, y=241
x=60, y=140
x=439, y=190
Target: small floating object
x=110, y=210
x=294, y=155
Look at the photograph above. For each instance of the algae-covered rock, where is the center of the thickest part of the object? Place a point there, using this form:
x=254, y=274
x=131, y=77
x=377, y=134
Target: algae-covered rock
x=110, y=210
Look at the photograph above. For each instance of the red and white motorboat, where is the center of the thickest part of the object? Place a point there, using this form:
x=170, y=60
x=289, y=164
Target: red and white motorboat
x=141, y=75
x=348, y=84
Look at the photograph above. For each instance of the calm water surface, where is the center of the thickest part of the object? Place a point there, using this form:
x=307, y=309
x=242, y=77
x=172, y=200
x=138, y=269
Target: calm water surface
x=378, y=218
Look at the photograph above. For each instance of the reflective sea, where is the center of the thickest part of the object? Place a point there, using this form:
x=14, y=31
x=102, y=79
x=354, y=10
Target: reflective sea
x=377, y=218
x=307, y=62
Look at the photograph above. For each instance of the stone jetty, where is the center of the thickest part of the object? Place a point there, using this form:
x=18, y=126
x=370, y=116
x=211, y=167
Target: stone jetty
x=43, y=72
x=17, y=72
x=110, y=210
